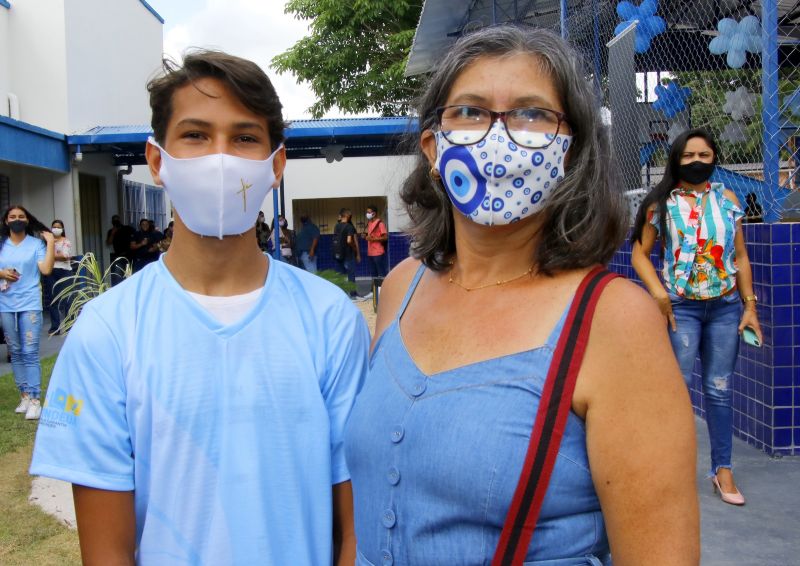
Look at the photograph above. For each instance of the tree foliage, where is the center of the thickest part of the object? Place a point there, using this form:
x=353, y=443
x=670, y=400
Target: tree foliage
x=356, y=54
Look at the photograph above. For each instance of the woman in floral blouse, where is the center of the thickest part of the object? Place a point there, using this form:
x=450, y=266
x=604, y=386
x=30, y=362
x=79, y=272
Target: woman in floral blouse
x=706, y=277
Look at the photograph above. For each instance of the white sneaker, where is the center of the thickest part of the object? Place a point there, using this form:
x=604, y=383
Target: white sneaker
x=24, y=401
x=34, y=410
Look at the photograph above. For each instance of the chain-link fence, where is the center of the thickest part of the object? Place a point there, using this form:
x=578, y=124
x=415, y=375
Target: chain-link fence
x=662, y=66
x=728, y=66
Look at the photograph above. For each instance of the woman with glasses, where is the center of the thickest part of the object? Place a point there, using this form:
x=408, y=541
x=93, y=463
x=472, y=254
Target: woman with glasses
x=513, y=210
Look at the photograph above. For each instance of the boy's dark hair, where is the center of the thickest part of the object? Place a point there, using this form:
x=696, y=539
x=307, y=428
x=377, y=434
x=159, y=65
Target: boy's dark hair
x=248, y=83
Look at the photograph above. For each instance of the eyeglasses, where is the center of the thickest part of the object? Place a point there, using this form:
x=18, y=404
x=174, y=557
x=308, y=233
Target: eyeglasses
x=531, y=127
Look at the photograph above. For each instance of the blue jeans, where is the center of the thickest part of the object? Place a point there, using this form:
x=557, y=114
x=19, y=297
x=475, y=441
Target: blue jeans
x=710, y=328
x=22, y=331
x=378, y=265
x=52, y=289
x=349, y=266
x=309, y=263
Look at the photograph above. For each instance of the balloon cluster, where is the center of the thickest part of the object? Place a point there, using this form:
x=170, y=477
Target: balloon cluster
x=671, y=98
x=736, y=39
x=740, y=103
x=649, y=25
x=734, y=132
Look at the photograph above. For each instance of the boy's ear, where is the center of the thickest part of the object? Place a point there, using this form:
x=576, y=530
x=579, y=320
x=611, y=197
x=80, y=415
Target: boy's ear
x=279, y=165
x=153, y=156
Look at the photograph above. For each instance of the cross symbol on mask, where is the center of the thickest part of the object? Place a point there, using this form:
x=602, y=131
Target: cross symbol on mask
x=243, y=192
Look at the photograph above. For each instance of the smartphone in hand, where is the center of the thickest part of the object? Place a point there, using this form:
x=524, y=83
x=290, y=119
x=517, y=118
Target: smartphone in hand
x=750, y=337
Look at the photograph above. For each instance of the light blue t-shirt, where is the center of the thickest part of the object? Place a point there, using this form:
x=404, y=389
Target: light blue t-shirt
x=25, y=293
x=231, y=436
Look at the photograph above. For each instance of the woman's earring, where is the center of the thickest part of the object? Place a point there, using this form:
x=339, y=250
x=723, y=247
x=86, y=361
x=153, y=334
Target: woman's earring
x=434, y=173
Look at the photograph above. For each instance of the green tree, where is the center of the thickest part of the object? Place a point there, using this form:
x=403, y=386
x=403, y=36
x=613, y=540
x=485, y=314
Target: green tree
x=356, y=54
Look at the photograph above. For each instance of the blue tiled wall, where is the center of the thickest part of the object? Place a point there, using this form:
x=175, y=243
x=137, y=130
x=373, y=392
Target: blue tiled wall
x=398, y=251
x=766, y=385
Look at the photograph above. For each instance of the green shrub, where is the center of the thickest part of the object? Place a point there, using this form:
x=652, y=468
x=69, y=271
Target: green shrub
x=338, y=279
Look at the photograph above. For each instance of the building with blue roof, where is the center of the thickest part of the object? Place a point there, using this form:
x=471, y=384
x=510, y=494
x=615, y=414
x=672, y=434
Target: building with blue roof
x=65, y=67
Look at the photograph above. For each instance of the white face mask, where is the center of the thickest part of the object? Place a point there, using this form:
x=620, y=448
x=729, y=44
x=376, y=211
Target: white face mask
x=370, y=215
x=57, y=231
x=219, y=194
x=496, y=181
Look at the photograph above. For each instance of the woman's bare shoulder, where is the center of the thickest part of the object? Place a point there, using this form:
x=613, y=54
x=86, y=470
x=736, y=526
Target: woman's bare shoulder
x=393, y=290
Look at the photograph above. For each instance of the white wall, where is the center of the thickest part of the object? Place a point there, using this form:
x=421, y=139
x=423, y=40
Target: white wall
x=45, y=194
x=37, y=62
x=4, y=59
x=112, y=49
x=351, y=177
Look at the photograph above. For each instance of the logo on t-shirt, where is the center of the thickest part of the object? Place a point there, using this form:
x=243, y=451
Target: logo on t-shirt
x=61, y=409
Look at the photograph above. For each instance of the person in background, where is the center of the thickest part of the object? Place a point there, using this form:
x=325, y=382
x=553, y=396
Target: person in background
x=376, y=236
x=124, y=235
x=219, y=443
x=338, y=243
x=287, y=240
x=62, y=268
x=140, y=244
x=116, y=224
x=164, y=243
x=307, y=242
x=349, y=248
x=263, y=232
x=514, y=208
x=27, y=251
x=144, y=246
x=706, y=276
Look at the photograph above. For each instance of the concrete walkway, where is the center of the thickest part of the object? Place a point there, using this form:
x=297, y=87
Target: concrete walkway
x=765, y=532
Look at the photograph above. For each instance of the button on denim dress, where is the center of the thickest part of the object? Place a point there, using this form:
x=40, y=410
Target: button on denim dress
x=435, y=459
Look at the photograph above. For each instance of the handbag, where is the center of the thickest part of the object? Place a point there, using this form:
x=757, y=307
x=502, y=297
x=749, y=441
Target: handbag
x=551, y=421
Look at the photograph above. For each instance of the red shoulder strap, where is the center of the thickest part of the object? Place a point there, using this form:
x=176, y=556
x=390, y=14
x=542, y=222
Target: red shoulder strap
x=551, y=420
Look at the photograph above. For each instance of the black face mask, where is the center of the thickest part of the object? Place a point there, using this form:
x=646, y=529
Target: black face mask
x=17, y=226
x=696, y=172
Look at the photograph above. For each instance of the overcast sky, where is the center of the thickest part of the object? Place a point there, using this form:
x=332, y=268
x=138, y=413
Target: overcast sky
x=254, y=29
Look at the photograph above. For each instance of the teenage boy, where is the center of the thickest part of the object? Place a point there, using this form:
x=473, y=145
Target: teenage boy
x=220, y=442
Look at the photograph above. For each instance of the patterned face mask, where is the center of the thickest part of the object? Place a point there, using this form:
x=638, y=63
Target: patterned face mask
x=495, y=181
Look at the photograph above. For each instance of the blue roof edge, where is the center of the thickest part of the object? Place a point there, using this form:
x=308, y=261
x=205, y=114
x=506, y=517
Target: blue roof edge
x=149, y=9
x=297, y=129
x=31, y=128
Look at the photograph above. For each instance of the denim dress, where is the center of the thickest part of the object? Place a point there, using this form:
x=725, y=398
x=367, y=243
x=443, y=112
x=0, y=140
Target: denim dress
x=435, y=459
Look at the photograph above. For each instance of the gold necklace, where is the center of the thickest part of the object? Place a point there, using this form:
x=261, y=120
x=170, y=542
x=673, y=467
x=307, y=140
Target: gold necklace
x=486, y=285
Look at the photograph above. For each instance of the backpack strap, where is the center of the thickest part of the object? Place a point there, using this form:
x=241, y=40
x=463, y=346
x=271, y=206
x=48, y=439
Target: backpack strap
x=551, y=421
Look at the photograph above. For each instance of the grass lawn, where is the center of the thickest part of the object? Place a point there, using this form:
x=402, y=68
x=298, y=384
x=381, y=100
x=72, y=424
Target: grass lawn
x=27, y=534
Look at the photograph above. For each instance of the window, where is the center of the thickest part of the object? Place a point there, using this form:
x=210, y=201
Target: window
x=144, y=201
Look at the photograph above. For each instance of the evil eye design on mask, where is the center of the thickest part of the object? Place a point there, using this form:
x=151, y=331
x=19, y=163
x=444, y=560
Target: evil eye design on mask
x=462, y=178
x=537, y=158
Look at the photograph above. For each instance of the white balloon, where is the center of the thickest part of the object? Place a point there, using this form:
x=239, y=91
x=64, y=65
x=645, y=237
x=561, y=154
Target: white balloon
x=734, y=132
x=740, y=103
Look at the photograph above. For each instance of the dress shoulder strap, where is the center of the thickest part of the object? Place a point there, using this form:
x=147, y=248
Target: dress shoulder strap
x=411, y=288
